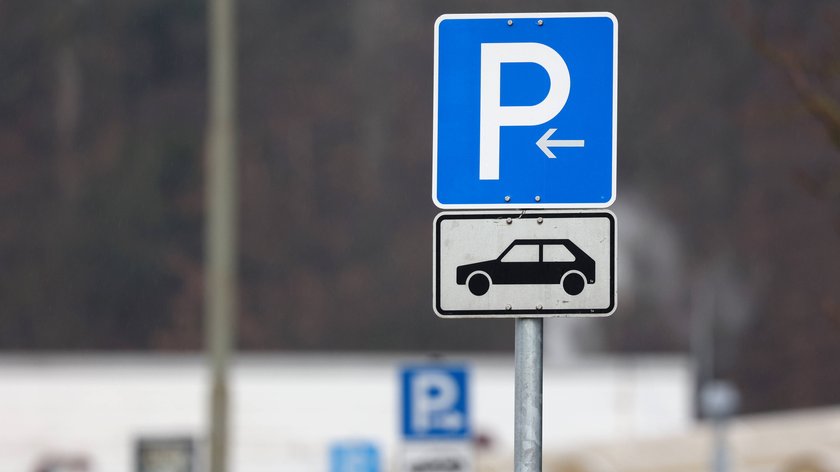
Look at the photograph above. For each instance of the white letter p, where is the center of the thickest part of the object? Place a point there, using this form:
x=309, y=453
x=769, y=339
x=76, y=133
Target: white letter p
x=434, y=396
x=493, y=115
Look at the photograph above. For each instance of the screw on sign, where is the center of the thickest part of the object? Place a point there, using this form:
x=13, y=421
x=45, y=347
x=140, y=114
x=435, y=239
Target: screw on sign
x=525, y=118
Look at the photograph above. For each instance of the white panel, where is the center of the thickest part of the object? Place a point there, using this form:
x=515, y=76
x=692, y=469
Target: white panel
x=490, y=238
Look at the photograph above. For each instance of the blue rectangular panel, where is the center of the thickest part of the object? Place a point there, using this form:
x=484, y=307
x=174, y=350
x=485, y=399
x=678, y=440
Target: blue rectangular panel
x=525, y=111
x=434, y=402
x=354, y=456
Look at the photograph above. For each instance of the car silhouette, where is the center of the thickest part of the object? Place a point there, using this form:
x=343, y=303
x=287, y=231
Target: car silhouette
x=532, y=261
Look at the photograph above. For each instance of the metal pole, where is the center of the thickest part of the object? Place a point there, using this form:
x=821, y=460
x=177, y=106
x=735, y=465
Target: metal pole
x=528, y=351
x=221, y=204
x=720, y=456
x=719, y=401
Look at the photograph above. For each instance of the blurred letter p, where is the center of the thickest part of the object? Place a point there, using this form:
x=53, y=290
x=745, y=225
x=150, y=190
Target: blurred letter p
x=435, y=397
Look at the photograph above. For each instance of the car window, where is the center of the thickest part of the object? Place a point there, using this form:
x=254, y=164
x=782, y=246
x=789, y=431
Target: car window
x=523, y=253
x=557, y=253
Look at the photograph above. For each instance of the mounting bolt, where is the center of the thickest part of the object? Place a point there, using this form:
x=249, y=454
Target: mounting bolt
x=537, y=198
x=539, y=22
x=539, y=220
x=510, y=22
x=507, y=198
x=508, y=307
x=539, y=307
x=509, y=220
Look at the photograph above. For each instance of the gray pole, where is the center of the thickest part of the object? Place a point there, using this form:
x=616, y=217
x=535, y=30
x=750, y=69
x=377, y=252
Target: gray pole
x=527, y=447
x=221, y=204
x=719, y=400
x=720, y=456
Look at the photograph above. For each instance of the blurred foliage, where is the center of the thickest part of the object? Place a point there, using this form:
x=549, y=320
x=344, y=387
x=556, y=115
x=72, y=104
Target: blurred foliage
x=100, y=131
x=792, y=123
x=102, y=111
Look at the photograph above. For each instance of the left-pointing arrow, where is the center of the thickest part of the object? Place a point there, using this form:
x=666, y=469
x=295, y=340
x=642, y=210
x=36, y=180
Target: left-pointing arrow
x=544, y=143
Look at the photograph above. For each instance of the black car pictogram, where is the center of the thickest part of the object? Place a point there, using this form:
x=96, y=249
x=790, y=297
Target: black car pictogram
x=532, y=261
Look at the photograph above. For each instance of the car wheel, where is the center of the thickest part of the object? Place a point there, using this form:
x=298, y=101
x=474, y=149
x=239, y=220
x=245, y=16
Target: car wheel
x=478, y=283
x=573, y=283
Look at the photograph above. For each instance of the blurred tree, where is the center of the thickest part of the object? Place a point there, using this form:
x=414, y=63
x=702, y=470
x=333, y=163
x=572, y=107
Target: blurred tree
x=792, y=118
x=801, y=40
x=98, y=208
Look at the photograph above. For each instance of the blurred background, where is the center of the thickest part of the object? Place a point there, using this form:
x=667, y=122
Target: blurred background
x=728, y=206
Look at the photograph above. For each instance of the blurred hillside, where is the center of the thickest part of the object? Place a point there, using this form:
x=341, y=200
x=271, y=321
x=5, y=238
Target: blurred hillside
x=728, y=199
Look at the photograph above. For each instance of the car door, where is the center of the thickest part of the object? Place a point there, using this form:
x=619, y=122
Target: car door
x=519, y=265
x=557, y=260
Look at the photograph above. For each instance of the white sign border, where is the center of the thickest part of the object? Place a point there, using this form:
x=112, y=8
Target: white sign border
x=529, y=313
x=469, y=16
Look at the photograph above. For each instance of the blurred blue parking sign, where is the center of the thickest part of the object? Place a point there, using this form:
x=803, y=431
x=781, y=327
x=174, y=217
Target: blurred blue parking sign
x=354, y=456
x=434, y=402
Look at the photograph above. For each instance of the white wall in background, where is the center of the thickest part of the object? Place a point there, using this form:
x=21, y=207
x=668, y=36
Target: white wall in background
x=288, y=409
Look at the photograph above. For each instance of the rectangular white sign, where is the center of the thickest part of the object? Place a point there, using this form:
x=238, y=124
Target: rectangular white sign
x=524, y=264
x=437, y=456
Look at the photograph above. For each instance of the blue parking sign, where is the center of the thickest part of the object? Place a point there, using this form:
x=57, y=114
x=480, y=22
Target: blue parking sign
x=525, y=110
x=434, y=402
x=354, y=456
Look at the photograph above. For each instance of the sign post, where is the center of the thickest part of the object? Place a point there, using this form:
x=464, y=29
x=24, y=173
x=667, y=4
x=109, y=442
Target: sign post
x=525, y=118
x=527, y=418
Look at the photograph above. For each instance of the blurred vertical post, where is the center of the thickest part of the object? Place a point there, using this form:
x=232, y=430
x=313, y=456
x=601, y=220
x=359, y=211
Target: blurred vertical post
x=719, y=400
x=221, y=204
